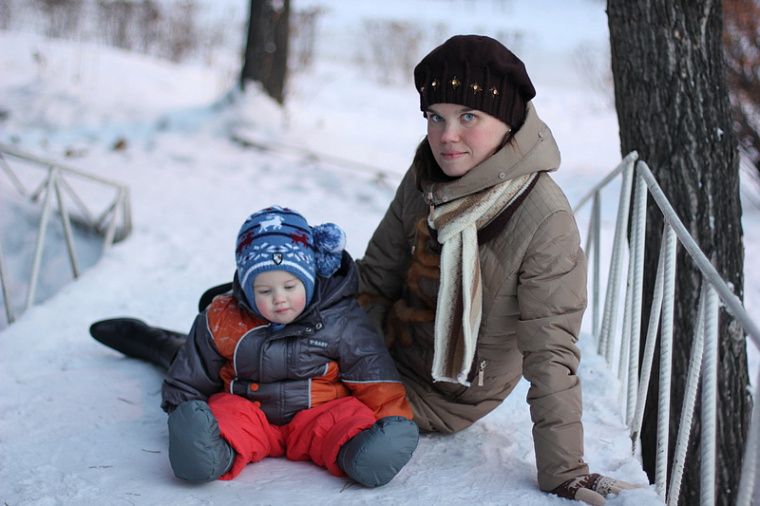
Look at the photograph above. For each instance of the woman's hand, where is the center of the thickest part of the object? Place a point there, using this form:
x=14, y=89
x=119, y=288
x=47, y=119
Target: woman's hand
x=592, y=488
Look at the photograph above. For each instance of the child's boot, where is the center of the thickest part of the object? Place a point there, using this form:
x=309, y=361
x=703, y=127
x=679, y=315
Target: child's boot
x=375, y=455
x=197, y=451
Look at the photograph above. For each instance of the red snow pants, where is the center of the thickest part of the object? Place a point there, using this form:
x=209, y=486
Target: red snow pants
x=315, y=434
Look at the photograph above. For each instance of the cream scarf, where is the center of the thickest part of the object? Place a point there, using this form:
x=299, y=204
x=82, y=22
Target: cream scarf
x=459, y=306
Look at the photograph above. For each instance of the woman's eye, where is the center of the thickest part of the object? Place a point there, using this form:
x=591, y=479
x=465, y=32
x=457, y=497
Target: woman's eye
x=434, y=118
x=468, y=117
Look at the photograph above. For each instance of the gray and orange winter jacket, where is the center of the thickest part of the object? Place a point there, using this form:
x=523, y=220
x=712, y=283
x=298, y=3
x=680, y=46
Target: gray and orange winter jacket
x=332, y=350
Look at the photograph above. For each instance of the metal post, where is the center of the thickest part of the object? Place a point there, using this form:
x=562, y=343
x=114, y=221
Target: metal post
x=78, y=201
x=126, y=212
x=41, y=238
x=596, y=217
x=68, y=236
x=111, y=230
x=613, y=283
x=666, y=362
x=625, y=342
x=637, y=253
x=11, y=175
x=590, y=230
x=709, y=401
x=689, y=400
x=5, y=282
x=651, y=341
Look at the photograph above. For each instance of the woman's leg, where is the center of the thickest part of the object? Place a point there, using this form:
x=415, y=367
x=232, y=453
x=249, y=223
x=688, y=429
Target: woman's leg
x=136, y=339
x=245, y=427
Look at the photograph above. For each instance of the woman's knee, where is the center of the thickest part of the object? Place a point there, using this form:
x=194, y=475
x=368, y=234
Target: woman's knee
x=197, y=452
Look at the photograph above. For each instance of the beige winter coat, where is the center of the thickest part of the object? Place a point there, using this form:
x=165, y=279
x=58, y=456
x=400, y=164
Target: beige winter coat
x=534, y=295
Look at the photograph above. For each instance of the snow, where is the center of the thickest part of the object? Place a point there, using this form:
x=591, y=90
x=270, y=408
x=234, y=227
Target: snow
x=81, y=424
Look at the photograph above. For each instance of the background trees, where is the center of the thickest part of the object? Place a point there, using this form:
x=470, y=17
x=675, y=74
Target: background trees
x=266, y=52
x=741, y=42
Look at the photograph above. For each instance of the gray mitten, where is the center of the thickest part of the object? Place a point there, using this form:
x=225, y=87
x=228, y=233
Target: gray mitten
x=592, y=488
x=375, y=455
x=197, y=451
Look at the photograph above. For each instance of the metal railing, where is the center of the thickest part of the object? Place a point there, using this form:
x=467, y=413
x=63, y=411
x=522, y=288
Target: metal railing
x=113, y=222
x=621, y=348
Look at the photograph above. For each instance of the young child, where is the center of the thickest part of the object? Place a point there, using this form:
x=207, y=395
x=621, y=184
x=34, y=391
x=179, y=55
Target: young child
x=287, y=364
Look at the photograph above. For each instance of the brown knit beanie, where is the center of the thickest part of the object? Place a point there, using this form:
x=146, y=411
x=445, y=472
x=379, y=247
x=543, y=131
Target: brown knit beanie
x=478, y=72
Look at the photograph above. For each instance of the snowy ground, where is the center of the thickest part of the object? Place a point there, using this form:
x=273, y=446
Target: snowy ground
x=80, y=424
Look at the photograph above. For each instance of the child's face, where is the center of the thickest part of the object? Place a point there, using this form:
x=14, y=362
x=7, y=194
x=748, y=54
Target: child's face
x=280, y=296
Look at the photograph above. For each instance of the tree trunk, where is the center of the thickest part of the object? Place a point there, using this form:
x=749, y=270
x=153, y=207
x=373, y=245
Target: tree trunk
x=673, y=108
x=266, y=52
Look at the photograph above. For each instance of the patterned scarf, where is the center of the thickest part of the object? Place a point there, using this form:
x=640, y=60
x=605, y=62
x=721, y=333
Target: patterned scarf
x=459, y=305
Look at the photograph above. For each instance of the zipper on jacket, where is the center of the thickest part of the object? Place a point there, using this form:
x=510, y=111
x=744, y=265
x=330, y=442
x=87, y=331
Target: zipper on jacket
x=481, y=372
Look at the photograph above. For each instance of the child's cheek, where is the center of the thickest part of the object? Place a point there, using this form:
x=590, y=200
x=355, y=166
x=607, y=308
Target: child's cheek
x=301, y=300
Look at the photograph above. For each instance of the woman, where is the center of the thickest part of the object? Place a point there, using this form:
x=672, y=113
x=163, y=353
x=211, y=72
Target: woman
x=475, y=274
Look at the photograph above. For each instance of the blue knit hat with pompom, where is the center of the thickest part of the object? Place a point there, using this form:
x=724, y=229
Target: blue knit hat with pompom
x=278, y=238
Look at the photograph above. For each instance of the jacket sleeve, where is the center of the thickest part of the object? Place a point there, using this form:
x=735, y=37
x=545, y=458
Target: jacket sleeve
x=552, y=298
x=367, y=368
x=194, y=374
x=383, y=268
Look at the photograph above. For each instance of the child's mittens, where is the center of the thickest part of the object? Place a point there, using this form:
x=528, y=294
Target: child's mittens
x=197, y=452
x=329, y=243
x=375, y=455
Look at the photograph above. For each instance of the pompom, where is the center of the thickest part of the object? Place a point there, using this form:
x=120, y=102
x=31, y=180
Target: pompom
x=329, y=242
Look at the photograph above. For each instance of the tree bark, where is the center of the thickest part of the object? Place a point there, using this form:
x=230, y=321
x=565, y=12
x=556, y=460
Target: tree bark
x=266, y=52
x=673, y=108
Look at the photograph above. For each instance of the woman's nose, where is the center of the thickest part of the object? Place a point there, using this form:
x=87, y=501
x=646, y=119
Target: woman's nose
x=450, y=132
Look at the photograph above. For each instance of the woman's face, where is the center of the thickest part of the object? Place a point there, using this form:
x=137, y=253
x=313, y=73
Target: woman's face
x=461, y=137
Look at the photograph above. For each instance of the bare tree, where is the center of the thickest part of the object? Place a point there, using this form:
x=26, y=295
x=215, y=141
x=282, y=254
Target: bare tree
x=266, y=52
x=673, y=108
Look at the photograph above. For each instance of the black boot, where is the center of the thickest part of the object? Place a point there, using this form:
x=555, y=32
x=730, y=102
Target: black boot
x=136, y=339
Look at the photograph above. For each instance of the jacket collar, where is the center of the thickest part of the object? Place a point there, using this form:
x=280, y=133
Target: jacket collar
x=531, y=149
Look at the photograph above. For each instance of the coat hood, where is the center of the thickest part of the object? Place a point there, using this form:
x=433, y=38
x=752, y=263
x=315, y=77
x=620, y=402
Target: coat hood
x=531, y=149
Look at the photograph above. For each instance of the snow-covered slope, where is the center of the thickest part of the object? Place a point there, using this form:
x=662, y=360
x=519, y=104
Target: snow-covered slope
x=80, y=424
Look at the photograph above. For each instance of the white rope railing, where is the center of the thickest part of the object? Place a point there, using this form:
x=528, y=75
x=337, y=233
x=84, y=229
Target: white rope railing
x=666, y=361
x=113, y=223
x=690, y=398
x=624, y=352
x=4, y=282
